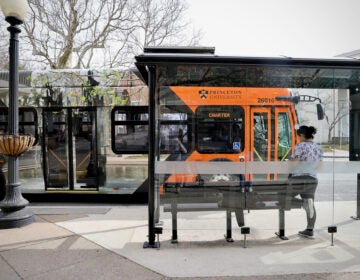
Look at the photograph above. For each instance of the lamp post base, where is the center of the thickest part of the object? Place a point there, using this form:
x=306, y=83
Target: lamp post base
x=15, y=219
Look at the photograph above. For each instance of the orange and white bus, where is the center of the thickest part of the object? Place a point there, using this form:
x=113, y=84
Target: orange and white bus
x=226, y=124
x=205, y=124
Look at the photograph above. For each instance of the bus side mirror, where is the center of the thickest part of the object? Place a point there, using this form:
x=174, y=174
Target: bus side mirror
x=320, y=111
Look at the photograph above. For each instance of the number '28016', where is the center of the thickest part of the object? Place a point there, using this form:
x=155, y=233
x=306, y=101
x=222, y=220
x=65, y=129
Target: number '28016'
x=265, y=100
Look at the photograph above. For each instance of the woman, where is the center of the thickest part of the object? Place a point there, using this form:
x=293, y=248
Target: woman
x=308, y=151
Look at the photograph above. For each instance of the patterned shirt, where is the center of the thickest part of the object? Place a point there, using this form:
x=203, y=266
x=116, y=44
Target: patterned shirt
x=307, y=151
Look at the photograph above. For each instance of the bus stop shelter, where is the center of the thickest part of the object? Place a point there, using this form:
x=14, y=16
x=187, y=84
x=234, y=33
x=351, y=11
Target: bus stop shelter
x=250, y=175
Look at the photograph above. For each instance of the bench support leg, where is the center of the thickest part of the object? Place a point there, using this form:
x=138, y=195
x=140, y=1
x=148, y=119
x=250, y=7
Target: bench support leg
x=228, y=227
x=174, y=227
x=239, y=214
x=281, y=233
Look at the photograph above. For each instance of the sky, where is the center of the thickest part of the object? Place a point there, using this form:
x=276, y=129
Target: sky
x=293, y=28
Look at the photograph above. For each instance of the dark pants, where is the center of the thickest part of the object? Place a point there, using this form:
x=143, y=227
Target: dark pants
x=307, y=186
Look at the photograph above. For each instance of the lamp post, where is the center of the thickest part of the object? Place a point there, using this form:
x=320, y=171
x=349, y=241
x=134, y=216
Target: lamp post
x=13, y=207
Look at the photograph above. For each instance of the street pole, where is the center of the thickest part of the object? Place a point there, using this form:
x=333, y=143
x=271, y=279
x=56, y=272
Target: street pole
x=13, y=208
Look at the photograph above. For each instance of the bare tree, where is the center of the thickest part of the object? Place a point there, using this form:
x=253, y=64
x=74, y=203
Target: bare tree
x=4, y=47
x=4, y=50
x=84, y=33
x=335, y=113
x=162, y=22
x=60, y=31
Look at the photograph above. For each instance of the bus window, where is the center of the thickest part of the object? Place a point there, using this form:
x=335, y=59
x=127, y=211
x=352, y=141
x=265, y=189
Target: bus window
x=174, y=134
x=28, y=121
x=284, y=136
x=219, y=129
x=129, y=129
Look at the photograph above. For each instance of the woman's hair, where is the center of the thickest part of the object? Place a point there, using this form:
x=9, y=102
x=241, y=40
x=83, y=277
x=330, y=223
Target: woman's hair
x=307, y=131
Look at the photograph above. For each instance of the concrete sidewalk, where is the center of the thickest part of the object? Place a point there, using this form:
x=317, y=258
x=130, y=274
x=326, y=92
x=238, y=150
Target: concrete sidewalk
x=106, y=242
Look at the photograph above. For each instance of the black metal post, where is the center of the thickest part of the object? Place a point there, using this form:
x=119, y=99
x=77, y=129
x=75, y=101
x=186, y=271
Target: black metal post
x=13, y=212
x=357, y=217
x=228, y=235
x=358, y=197
x=151, y=163
x=69, y=113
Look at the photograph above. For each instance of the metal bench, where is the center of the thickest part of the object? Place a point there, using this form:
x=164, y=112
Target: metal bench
x=174, y=208
x=217, y=197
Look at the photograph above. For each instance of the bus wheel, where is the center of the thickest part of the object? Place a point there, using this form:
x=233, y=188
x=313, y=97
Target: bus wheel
x=219, y=177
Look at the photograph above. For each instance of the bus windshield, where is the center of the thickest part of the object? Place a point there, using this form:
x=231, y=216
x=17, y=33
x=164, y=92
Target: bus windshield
x=219, y=129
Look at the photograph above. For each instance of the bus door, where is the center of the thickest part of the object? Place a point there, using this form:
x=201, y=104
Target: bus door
x=272, y=135
x=85, y=148
x=69, y=148
x=261, y=137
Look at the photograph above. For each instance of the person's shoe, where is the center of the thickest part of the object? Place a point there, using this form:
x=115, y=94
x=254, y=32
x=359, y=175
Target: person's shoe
x=307, y=233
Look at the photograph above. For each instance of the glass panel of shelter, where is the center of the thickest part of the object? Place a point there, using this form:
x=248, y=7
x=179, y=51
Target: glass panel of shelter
x=279, y=126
